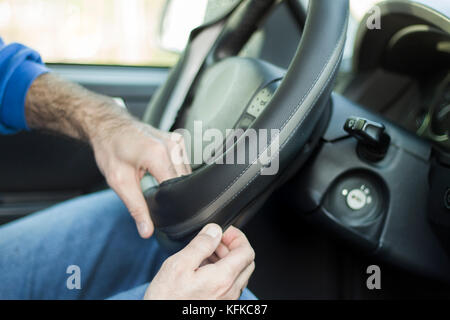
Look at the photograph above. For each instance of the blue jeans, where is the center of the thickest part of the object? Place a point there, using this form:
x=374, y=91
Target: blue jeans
x=93, y=232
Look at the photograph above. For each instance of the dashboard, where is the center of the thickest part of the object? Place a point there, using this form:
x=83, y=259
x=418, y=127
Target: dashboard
x=435, y=124
x=402, y=70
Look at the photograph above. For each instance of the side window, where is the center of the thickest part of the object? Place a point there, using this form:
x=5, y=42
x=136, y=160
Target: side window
x=106, y=32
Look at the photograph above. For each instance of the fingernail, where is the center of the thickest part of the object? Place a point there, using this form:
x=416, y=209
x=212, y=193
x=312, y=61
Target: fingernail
x=143, y=228
x=213, y=230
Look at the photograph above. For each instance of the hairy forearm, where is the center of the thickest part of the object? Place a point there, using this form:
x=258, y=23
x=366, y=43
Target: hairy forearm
x=60, y=106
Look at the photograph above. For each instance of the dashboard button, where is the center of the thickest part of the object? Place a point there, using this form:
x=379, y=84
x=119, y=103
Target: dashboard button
x=356, y=199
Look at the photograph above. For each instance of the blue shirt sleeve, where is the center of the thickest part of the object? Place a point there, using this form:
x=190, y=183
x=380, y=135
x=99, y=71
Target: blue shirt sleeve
x=19, y=67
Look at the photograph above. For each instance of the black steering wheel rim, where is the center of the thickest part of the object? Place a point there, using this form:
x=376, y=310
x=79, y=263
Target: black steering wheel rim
x=221, y=193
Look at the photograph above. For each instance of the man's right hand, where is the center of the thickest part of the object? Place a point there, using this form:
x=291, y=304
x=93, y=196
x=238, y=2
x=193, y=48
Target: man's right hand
x=211, y=266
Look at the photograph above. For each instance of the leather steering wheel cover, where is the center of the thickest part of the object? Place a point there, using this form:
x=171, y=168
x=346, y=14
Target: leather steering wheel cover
x=217, y=193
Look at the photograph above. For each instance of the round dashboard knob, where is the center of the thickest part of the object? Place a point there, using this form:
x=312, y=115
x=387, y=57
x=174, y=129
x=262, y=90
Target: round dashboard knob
x=356, y=199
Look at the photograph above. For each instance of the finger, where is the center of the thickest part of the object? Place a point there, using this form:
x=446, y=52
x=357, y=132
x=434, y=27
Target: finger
x=202, y=246
x=127, y=187
x=177, y=158
x=178, y=154
x=158, y=163
x=222, y=251
x=185, y=156
x=232, y=236
x=241, y=282
x=240, y=255
x=212, y=259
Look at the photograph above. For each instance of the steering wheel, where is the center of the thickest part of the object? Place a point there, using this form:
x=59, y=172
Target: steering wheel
x=213, y=84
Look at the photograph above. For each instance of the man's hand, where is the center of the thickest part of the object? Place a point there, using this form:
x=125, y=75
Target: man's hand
x=126, y=153
x=209, y=267
x=125, y=149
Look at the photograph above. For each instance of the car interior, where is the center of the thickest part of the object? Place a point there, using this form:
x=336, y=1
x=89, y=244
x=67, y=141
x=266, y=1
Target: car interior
x=364, y=111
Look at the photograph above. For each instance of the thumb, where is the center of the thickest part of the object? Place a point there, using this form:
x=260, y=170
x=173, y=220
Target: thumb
x=202, y=246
